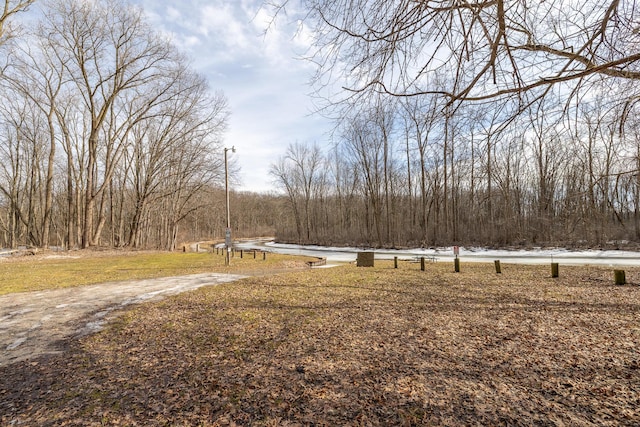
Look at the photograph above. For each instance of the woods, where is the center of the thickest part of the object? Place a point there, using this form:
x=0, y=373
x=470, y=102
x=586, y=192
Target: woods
x=108, y=136
x=491, y=123
x=394, y=180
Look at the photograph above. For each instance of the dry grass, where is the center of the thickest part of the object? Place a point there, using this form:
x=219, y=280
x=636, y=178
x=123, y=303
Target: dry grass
x=351, y=346
x=78, y=268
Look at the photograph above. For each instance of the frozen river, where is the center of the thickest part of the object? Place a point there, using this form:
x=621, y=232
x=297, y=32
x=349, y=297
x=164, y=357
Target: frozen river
x=535, y=256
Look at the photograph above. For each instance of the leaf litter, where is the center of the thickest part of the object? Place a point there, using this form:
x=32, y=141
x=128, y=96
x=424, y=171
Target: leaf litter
x=353, y=346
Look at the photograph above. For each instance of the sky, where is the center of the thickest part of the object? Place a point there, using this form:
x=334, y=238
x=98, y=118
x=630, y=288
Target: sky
x=261, y=74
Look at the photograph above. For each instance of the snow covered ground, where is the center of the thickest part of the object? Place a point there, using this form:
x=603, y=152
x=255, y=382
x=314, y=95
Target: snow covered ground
x=471, y=254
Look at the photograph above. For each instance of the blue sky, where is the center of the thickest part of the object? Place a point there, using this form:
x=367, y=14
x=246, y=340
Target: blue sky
x=260, y=74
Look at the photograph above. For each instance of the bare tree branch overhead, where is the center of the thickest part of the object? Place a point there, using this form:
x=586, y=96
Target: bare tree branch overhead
x=491, y=48
x=10, y=8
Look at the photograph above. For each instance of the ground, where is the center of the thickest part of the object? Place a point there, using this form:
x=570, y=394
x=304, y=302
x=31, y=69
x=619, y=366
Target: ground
x=36, y=323
x=353, y=346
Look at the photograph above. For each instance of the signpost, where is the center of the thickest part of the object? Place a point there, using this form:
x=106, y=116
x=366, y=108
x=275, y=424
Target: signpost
x=227, y=234
x=227, y=237
x=227, y=245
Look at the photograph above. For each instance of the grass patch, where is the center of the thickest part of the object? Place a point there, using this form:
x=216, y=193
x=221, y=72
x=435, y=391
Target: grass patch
x=355, y=346
x=85, y=268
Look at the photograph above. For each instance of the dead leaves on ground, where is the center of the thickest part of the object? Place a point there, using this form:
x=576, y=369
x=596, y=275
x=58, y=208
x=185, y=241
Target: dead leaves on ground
x=354, y=346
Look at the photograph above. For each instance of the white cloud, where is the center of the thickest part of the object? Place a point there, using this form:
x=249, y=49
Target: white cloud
x=256, y=70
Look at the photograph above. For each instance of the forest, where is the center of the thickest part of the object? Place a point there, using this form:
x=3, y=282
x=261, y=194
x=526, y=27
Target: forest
x=500, y=123
x=491, y=122
x=107, y=136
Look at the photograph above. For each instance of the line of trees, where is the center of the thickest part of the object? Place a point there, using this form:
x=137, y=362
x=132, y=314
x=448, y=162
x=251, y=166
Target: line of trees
x=107, y=136
x=395, y=178
x=489, y=122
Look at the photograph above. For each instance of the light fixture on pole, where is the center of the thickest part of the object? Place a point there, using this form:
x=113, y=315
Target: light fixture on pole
x=227, y=234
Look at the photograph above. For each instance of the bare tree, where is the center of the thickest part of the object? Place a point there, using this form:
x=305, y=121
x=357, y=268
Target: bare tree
x=11, y=8
x=491, y=48
x=300, y=173
x=121, y=69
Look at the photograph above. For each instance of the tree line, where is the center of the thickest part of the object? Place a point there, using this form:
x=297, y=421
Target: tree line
x=107, y=135
x=491, y=122
x=394, y=179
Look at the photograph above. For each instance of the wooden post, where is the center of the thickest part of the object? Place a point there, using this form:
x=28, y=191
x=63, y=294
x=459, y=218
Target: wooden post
x=498, y=269
x=241, y=253
x=254, y=254
x=198, y=247
x=184, y=248
x=421, y=263
x=555, y=270
x=456, y=265
x=395, y=262
x=365, y=259
x=619, y=277
x=264, y=256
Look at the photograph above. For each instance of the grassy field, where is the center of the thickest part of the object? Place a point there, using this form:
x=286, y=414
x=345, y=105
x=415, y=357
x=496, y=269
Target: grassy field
x=53, y=271
x=355, y=346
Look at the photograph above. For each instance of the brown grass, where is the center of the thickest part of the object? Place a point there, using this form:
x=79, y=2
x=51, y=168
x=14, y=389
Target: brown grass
x=354, y=346
x=77, y=268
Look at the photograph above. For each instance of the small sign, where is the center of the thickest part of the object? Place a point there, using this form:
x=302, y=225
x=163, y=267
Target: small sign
x=227, y=237
x=456, y=250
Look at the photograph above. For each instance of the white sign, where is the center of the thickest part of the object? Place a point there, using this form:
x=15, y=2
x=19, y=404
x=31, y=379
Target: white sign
x=456, y=250
x=227, y=237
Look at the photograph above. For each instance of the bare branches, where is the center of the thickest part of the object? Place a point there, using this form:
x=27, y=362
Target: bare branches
x=11, y=7
x=491, y=49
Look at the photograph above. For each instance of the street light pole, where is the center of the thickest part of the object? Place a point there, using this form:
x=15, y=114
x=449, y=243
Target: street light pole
x=227, y=236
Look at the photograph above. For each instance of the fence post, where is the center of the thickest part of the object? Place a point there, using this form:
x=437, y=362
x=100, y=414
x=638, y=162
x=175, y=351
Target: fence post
x=395, y=262
x=421, y=263
x=456, y=265
x=619, y=277
x=555, y=270
x=498, y=269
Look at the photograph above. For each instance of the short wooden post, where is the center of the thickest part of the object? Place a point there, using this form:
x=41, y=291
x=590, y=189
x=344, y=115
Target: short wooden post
x=619, y=277
x=497, y=264
x=197, y=248
x=254, y=254
x=555, y=270
x=395, y=262
x=241, y=253
x=421, y=263
x=184, y=248
x=456, y=265
x=365, y=259
x=264, y=256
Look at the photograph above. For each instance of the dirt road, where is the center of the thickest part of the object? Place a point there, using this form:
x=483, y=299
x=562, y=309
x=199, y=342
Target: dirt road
x=37, y=323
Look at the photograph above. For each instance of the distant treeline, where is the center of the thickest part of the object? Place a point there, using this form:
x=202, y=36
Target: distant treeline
x=403, y=175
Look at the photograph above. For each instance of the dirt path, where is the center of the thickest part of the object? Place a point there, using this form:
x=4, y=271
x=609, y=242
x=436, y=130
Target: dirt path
x=37, y=323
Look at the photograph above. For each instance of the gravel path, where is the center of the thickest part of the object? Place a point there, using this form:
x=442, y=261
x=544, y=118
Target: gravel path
x=36, y=323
